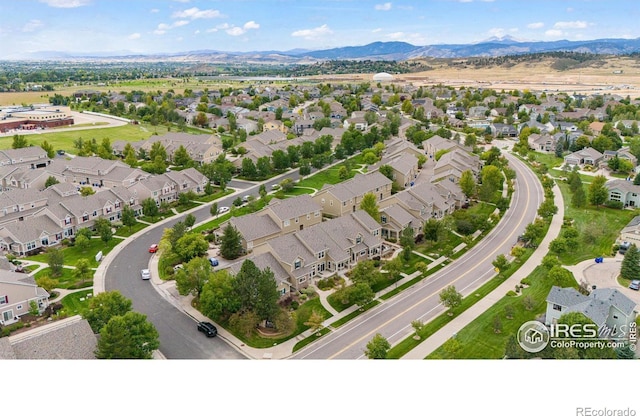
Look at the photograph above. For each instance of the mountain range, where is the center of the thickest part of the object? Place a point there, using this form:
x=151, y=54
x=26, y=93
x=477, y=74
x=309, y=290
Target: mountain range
x=393, y=51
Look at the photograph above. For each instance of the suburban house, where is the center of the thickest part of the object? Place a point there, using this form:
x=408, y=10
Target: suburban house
x=624, y=191
x=404, y=166
x=622, y=153
x=168, y=186
x=451, y=165
x=542, y=142
x=17, y=291
x=66, y=339
x=586, y=156
x=275, y=125
x=33, y=157
x=326, y=247
x=609, y=309
x=631, y=232
x=202, y=148
x=281, y=216
x=345, y=197
x=96, y=172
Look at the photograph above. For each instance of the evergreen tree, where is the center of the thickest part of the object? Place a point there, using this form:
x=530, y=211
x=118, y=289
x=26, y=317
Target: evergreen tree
x=579, y=198
x=630, y=267
x=598, y=192
x=230, y=243
x=370, y=205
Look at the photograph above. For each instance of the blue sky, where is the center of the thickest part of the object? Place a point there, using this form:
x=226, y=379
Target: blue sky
x=150, y=26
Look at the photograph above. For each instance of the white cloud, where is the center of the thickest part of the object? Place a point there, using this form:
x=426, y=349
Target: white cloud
x=134, y=36
x=376, y=30
x=155, y=10
x=182, y=1
x=569, y=9
x=384, y=6
x=578, y=24
x=195, y=13
x=501, y=32
x=314, y=33
x=180, y=23
x=32, y=25
x=536, y=25
x=66, y=4
x=414, y=38
x=251, y=25
x=197, y=32
x=553, y=33
x=163, y=27
x=237, y=30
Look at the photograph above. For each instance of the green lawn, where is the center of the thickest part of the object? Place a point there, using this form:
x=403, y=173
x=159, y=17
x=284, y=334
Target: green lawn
x=73, y=305
x=66, y=280
x=216, y=195
x=73, y=254
x=598, y=226
x=479, y=340
x=299, y=191
x=253, y=206
x=124, y=231
x=330, y=176
x=64, y=139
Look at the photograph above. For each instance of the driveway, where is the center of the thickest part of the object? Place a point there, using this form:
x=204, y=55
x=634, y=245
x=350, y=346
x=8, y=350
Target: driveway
x=603, y=275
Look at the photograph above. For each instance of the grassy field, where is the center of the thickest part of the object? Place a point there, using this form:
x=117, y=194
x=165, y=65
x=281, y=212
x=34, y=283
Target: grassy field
x=64, y=139
x=73, y=254
x=73, y=305
x=66, y=281
x=480, y=340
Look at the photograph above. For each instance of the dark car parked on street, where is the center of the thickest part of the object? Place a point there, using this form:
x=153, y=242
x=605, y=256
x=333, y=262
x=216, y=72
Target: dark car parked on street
x=208, y=328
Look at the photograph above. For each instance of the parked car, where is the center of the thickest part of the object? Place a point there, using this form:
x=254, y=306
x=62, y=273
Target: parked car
x=214, y=261
x=222, y=210
x=245, y=199
x=145, y=274
x=208, y=328
x=635, y=285
x=624, y=247
x=153, y=248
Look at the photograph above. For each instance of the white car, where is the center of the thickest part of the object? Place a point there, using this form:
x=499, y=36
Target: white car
x=222, y=210
x=145, y=274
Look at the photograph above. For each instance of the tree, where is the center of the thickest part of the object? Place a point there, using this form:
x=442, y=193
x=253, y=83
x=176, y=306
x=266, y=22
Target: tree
x=432, y=229
x=19, y=142
x=189, y=220
x=130, y=157
x=55, y=258
x=249, y=170
x=128, y=217
x=630, y=267
x=365, y=272
x=51, y=153
x=157, y=149
x=501, y=263
x=128, y=336
x=468, y=184
x=315, y=322
x=377, y=348
x=417, y=326
x=407, y=241
x=579, y=198
x=343, y=173
x=370, y=206
x=361, y=294
x=105, y=150
x=82, y=242
x=193, y=276
x=231, y=243
x=103, y=226
x=51, y=180
x=491, y=182
x=83, y=271
x=547, y=209
x=47, y=283
x=598, y=192
x=86, y=191
x=450, y=298
x=149, y=207
x=190, y=246
x=218, y=298
x=257, y=290
x=387, y=171
x=103, y=307
x=181, y=157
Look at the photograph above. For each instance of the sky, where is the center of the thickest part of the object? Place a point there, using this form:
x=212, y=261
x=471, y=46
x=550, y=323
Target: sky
x=169, y=26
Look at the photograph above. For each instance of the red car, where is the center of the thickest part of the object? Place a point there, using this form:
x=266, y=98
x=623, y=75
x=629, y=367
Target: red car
x=153, y=248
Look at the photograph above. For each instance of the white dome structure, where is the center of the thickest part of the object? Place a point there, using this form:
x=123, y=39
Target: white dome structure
x=383, y=76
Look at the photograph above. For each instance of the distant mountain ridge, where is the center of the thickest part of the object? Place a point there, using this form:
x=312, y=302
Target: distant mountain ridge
x=392, y=51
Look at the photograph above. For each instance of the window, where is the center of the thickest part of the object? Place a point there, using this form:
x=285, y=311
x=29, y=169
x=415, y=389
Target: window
x=31, y=245
x=7, y=315
x=322, y=201
x=557, y=307
x=383, y=219
x=67, y=221
x=615, y=316
x=302, y=279
x=358, y=239
x=321, y=255
x=95, y=213
x=298, y=220
x=308, y=216
x=316, y=214
x=297, y=264
x=4, y=299
x=286, y=223
x=331, y=202
x=344, y=204
x=18, y=307
x=85, y=217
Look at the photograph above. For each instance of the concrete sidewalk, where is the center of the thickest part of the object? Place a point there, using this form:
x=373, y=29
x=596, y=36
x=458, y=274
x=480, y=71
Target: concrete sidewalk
x=457, y=324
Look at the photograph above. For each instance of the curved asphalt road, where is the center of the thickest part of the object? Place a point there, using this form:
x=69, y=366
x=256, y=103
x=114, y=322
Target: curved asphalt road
x=422, y=302
x=179, y=337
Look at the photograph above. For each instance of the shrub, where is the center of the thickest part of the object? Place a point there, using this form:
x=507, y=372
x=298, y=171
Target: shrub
x=295, y=305
x=511, y=293
x=614, y=204
x=526, y=281
x=210, y=238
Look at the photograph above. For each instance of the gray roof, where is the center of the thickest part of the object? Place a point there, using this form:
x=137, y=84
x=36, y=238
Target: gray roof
x=289, y=208
x=632, y=225
x=263, y=261
x=565, y=296
x=399, y=215
x=621, y=184
x=253, y=226
x=358, y=185
x=68, y=339
x=596, y=306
